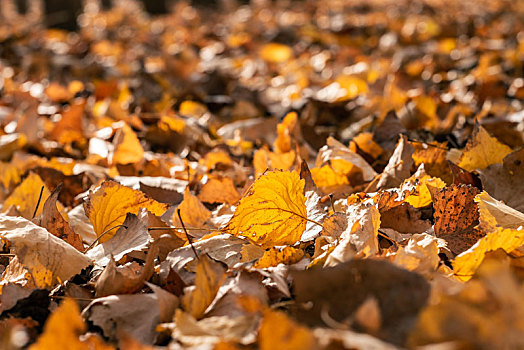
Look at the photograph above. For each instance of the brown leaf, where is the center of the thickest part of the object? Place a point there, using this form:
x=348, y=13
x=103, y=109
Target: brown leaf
x=52, y=221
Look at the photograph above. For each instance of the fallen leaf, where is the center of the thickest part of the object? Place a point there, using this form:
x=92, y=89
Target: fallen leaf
x=275, y=53
x=26, y=196
x=219, y=190
x=273, y=212
x=128, y=149
x=49, y=259
x=193, y=212
x=502, y=227
x=482, y=150
x=399, y=166
x=210, y=275
x=63, y=329
x=278, y=331
x=275, y=256
x=53, y=222
x=108, y=205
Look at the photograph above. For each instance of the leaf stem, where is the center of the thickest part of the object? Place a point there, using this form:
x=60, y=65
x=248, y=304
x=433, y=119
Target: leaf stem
x=187, y=235
x=38, y=203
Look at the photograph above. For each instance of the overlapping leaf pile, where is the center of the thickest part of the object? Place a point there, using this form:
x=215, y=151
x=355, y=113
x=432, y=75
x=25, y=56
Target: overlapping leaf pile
x=305, y=175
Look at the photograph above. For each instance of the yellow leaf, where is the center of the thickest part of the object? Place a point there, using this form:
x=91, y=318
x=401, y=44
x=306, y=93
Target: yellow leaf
x=326, y=177
x=482, y=150
x=108, y=205
x=192, y=211
x=273, y=212
x=275, y=53
x=353, y=87
x=365, y=142
x=25, y=196
x=284, y=130
x=278, y=331
x=168, y=123
x=192, y=109
x=282, y=161
x=209, y=277
x=63, y=329
x=423, y=195
x=215, y=157
x=275, y=256
x=503, y=227
x=219, y=190
x=9, y=174
x=128, y=149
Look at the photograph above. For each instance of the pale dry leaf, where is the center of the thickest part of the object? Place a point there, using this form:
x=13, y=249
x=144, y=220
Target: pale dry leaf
x=49, y=259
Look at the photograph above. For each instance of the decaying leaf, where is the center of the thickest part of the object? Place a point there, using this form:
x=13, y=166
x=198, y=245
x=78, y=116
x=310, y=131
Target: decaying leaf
x=503, y=228
x=273, y=212
x=278, y=331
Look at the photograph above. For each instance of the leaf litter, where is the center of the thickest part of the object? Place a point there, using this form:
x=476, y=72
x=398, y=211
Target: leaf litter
x=275, y=175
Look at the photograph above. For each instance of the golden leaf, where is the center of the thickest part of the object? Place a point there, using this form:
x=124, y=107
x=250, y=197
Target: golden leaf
x=192, y=109
x=9, y=174
x=284, y=130
x=275, y=256
x=278, y=331
x=108, y=205
x=423, y=195
x=128, y=149
x=219, y=190
x=326, y=178
x=70, y=127
x=210, y=275
x=503, y=228
x=275, y=53
x=25, y=196
x=216, y=157
x=273, y=212
x=63, y=329
x=192, y=211
x=482, y=150
x=353, y=87
x=365, y=142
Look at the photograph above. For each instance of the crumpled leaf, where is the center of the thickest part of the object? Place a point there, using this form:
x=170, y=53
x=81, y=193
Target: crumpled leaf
x=108, y=205
x=135, y=314
x=49, y=259
x=25, y=196
x=273, y=212
x=503, y=228
x=420, y=254
x=398, y=167
x=210, y=275
x=124, y=279
x=132, y=236
x=360, y=236
x=482, y=150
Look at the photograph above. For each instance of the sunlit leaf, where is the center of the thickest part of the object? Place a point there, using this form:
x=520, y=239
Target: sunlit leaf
x=273, y=212
x=25, y=196
x=108, y=205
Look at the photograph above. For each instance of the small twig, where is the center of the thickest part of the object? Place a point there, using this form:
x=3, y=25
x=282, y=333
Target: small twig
x=9, y=255
x=187, y=235
x=38, y=203
x=102, y=235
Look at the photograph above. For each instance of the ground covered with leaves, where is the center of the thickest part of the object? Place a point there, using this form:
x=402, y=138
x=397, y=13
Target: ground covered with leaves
x=278, y=175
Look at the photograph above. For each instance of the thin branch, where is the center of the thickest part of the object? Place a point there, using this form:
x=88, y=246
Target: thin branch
x=38, y=203
x=428, y=144
x=187, y=235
